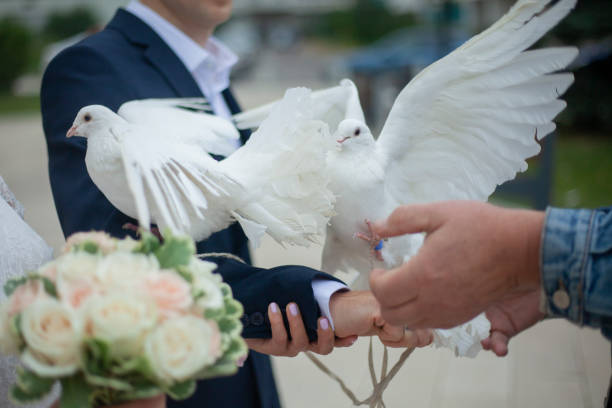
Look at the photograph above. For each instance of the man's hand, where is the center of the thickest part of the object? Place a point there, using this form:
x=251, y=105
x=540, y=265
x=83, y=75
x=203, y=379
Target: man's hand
x=358, y=313
x=280, y=344
x=474, y=255
x=510, y=317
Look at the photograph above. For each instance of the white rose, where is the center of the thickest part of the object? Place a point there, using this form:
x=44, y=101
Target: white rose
x=9, y=341
x=53, y=334
x=126, y=270
x=181, y=347
x=205, y=286
x=105, y=242
x=206, y=293
x=76, y=278
x=121, y=319
x=128, y=244
x=170, y=292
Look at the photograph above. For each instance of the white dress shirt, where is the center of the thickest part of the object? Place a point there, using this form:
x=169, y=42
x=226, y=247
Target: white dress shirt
x=210, y=66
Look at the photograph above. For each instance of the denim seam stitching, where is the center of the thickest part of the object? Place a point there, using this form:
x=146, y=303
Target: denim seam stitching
x=582, y=272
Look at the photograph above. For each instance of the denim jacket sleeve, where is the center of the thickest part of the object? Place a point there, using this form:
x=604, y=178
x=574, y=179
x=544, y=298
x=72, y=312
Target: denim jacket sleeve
x=576, y=266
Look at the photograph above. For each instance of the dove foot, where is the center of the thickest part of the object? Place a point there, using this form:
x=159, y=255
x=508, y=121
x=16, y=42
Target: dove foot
x=133, y=227
x=376, y=244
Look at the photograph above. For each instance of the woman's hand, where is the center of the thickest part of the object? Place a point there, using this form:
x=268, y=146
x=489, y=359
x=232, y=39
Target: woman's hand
x=280, y=344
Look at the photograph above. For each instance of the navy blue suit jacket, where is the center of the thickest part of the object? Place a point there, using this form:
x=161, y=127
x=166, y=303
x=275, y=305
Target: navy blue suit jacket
x=126, y=61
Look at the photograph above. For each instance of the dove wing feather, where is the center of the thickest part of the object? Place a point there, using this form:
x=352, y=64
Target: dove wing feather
x=185, y=118
x=469, y=121
x=171, y=182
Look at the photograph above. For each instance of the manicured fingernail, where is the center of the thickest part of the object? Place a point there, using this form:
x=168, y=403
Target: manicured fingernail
x=324, y=324
x=274, y=307
x=293, y=309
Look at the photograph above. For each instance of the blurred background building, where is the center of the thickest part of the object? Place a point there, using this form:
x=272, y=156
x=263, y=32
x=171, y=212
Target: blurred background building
x=381, y=44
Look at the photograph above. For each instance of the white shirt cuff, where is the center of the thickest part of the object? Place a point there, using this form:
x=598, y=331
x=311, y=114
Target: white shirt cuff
x=323, y=290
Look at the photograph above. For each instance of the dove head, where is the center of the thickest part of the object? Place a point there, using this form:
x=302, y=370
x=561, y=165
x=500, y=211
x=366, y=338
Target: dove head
x=352, y=133
x=91, y=119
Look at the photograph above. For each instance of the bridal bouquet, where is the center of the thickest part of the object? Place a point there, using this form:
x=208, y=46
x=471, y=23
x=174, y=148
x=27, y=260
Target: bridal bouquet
x=116, y=320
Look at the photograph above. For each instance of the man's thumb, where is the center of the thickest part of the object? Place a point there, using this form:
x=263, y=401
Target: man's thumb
x=409, y=219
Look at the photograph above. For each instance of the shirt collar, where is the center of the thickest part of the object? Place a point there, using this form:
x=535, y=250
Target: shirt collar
x=221, y=58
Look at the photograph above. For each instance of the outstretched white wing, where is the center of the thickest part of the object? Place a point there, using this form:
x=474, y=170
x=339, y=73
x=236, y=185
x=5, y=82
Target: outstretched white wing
x=187, y=118
x=176, y=183
x=469, y=121
x=331, y=105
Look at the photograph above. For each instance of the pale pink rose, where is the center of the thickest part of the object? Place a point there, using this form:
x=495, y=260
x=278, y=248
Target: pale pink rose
x=75, y=293
x=25, y=295
x=104, y=241
x=215, y=340
x=171, y=293
x=49, y=270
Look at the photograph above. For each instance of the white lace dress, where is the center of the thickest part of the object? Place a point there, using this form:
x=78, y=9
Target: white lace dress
x=21, y=250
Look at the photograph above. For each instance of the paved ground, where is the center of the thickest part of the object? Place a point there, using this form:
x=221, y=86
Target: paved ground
x=552, y=365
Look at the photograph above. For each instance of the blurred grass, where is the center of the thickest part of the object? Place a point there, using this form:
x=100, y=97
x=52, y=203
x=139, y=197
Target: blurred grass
x=10, y=104
x=583, y=171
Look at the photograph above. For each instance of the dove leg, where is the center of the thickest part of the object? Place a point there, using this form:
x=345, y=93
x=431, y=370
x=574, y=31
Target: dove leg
x=373, y=239
x=133, y=227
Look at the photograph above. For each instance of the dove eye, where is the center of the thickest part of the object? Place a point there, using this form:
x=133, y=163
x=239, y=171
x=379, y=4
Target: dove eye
x=87, y=117
x=357, y=132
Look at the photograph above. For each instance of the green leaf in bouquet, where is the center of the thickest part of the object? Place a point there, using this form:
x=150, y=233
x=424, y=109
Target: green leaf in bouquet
x=214, y=314
x=142, y=387
x=134, y=366
x=29, y=387
x=233, y=308
x=222, y=368
x=149, y=243
x=230, y=326
x=181, y=390
x=142, y=390
x=175, y=251
x=76, y=392
x=12, y=284
x=108, y=382
x=32, y=384
x=226, y=290
x=88, y=246
x=185, y=273
x=49, y=286
x=96, y=356
x=20, y=397
x=236, y=350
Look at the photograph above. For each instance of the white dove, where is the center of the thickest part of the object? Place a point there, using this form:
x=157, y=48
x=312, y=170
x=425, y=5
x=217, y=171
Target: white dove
x=461, y=127
x=151, y=161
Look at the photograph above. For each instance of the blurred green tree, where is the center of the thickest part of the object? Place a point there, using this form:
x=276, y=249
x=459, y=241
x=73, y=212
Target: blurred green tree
x=64, y=24
x=366, y=22
x=589, y=99
x=15, y=47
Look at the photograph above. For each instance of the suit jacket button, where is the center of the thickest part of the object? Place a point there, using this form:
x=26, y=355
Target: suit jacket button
x=257, y=319
x=245, y=320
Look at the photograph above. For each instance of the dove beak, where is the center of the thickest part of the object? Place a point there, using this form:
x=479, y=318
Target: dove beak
x=344, y=139
x=72, y=131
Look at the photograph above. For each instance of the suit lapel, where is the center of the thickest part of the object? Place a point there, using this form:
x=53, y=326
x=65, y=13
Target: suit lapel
x=157, y=52
x=234, y=108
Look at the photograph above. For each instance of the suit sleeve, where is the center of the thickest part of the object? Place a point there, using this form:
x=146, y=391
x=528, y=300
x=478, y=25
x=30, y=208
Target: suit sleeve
x=256, y=288
x=81, y=76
